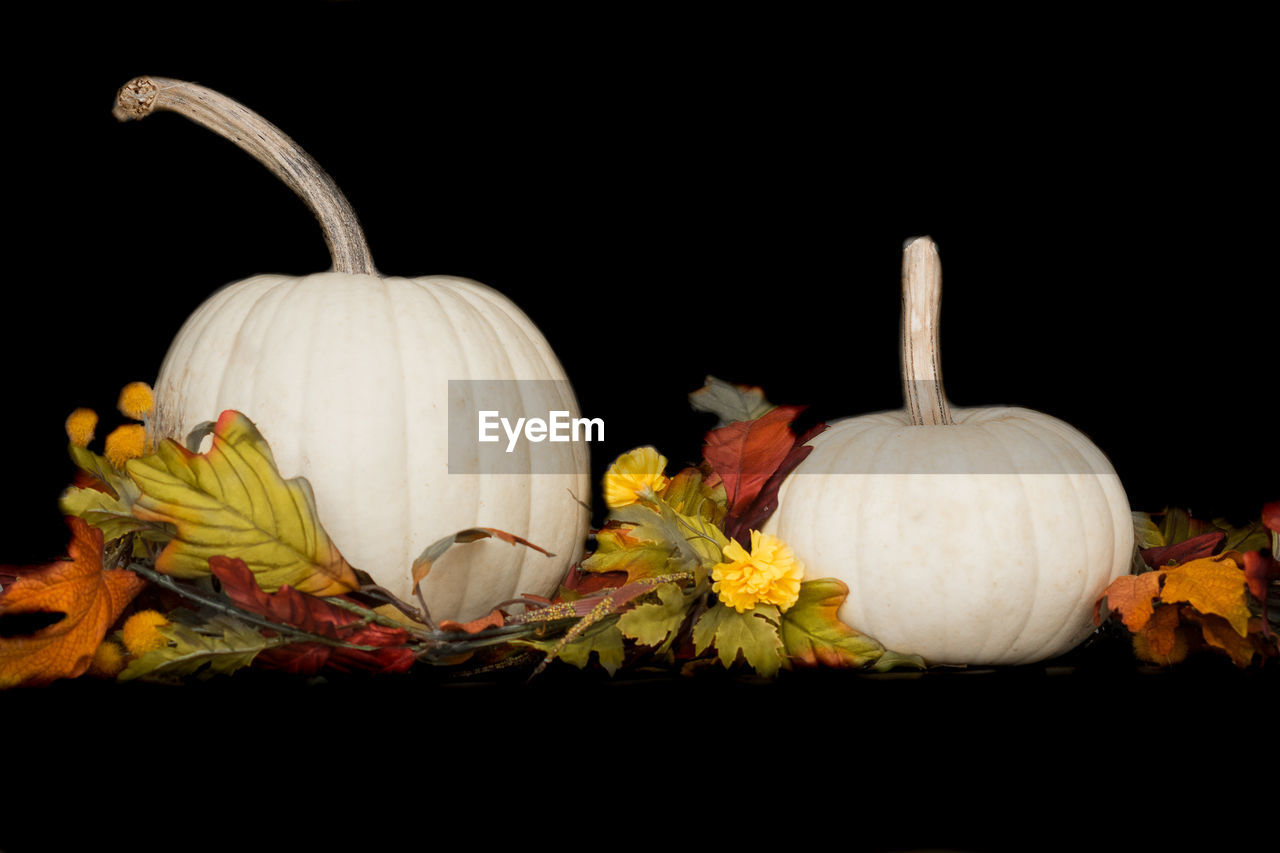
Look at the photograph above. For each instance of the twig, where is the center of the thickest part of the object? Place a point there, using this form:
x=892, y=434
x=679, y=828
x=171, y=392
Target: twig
x=222, y=606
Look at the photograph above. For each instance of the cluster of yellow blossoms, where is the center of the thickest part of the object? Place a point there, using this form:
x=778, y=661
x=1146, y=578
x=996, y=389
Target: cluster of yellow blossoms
x=768, y=574
x=140, y=634
x=125, y=442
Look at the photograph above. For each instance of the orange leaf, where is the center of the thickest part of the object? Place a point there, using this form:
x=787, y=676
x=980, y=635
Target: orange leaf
x=493, y=619
x=1210, y=585
x=1133, y=597
x=90, y=599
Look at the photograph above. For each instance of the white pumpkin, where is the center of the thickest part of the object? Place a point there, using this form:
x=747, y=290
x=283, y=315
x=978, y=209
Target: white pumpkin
x=347, y=375
x=966, y=536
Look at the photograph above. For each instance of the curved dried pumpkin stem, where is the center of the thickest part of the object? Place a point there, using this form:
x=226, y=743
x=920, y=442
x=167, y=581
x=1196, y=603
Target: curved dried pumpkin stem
x=923, y=394
x=342, y=233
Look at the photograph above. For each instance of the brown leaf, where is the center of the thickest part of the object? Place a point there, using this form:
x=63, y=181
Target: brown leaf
x=422, y=565
x=493, y=619
x=1271, y=516
x=90, y=599
x=1220, y=634
x=1161, y=639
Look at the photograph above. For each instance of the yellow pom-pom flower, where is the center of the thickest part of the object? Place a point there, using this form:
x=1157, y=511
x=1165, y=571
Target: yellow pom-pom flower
x=125, y=443
x=142, y=634
x=770, y=574
x=108, y=660
x=80, y=426
x=136, y=400
x=632, y=474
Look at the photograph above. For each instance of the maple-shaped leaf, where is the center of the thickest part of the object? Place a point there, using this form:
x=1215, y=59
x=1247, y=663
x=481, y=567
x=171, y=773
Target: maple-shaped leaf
x=753, y=635
x=729, y=402
x=1212, y=586
x=602, y=639
x=814, y=636
x=1162, y=640
x=1131, y=596
x=90, y=599
x=655, y=623
x=232, y=501
x=620, y=549
x=391, y=651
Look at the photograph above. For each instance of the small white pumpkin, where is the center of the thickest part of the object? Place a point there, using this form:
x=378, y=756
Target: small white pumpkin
x=966, y=536
x=347, y=375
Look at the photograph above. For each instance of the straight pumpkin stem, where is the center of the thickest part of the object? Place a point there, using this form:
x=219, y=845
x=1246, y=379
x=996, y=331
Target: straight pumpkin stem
x=923, y=394
x=287, y=161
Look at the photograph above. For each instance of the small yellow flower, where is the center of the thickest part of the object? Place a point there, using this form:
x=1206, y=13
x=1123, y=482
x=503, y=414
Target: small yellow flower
x=142, y=634
x=125, y=443
x=136, y=400
x=80, y=426
x=770, y=574
x=108, y=660
x=632, y=474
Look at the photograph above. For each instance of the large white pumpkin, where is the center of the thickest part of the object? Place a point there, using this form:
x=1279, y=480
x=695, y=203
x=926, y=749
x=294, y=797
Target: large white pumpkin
x=347, y=375
x=966, y=536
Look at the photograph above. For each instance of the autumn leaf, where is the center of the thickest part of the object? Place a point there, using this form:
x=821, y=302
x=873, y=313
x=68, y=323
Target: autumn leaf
x=232, y=501
x=654, y=623
x=1162, y=640
x=753, y=635
x=220, y=646
x=1210, y=585
x=1195, y=548
x=729, y=402
x=753, y=515
x=422, y=565
x=90, y=599
x=745, y=454
x=1133, y=597
x=602, y=639
x=813, y=634
x=391, y=651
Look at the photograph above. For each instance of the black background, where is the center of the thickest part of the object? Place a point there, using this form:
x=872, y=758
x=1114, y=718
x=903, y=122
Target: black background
x=669, y=197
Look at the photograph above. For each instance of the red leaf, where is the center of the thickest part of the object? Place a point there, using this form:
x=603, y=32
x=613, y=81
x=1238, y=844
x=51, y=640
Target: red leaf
x=1271, y=515
x=747, y=453
x=317, y=616
x=1195, y=548
x=739, y=524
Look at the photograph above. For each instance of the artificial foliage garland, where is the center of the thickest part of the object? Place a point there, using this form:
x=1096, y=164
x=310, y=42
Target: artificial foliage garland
x=680, y=575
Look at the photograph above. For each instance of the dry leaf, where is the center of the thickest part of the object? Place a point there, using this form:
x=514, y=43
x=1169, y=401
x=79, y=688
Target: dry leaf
x=90, y=599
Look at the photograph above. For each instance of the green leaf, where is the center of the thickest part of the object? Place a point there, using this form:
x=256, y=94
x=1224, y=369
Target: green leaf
x=688, y=493
x=895, y=660
x=752, y=634
x=220, y=646
x=813, y=634
x=653, y=623
x=603, y=639
x=231, y=501
x=620, y=550
x=1147, y=531
x=729, y=402
x=699, y=543
x=109, y=514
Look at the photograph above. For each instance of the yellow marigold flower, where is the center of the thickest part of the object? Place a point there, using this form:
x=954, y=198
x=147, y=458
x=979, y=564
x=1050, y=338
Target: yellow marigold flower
x=633, y=473
x=136, y=400
x=141, y=632
x=125, y=443
x=108, y=660
x=80, y=426
x=770, y=574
